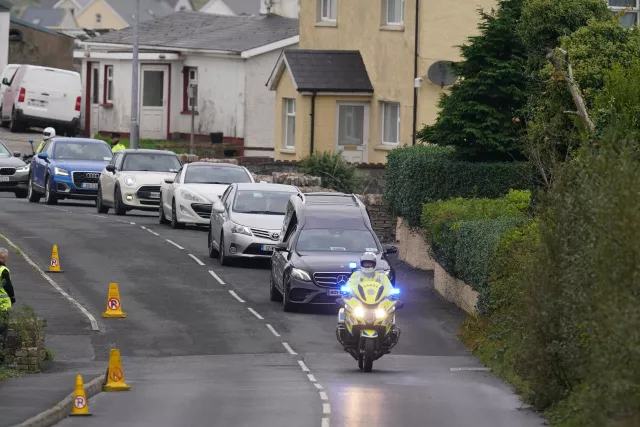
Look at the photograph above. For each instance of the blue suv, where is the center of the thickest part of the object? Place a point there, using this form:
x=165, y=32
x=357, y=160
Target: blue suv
x=68, y=168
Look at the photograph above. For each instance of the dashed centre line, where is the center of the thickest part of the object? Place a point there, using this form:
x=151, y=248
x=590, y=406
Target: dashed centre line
x=273, y=331
x=152, y=232
x=325, y=422
x=174, y=244
x=326, y=408
x=255, y=313
x=318, y=386
x=196, y=259
x=323, y=395
x=311, y=378
x=236, y=296
x=289, y=349
x=303, y=366
x=215, y=276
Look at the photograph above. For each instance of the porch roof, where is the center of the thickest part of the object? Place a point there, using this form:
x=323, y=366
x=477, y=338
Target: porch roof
x=341, y=71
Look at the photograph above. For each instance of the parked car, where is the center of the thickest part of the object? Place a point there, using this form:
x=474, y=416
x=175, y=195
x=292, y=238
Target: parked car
x=7, y=73
x=14, y=173
x=68, y=168
x=132, y=180
x=188, y=198
x=42, y=97
x=322, y=236
x=246, y=221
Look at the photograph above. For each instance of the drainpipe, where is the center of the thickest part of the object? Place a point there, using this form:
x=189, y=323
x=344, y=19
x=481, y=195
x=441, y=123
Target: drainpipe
x=313, y=119
x=415, y=74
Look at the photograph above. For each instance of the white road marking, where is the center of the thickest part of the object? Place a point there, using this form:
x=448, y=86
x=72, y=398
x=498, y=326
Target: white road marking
x=311, y=378
x=323, y=395
x=325, y=422
x=326, y=408
x=215, y=276
x=196, y=259
x=468, y=369
x=318, y=386
x=289, y=349
x=273, y=331
x=152, y=232
x=58, y=209
x=236, y=296
x=143, y=227
x=97, y=216
x=255, y=313
x=303, y=366
x=126, y=222
x=174, y=244
x=94, y=323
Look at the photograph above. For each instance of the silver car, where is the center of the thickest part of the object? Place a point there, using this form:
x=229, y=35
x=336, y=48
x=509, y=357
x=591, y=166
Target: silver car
x=14, y=173
x=245, y=222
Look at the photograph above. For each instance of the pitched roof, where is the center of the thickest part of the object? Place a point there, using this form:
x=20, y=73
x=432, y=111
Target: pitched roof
x=197, y=30
x=325, y=70
x=5, y=6
x=244, y=7
x=149, y=9
x=43, y=17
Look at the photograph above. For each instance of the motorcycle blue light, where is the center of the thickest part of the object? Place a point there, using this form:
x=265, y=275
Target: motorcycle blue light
x=395, y=291
x=345, y=289
x=353, y=265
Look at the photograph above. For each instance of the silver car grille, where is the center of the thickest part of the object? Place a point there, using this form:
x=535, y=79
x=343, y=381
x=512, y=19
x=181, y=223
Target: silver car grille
x=7, y=171
x=331, y=280
x=266, y=234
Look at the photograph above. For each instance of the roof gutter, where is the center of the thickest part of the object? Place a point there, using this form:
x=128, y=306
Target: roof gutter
x=158, y=48
x=313, y=121
x=415, y=74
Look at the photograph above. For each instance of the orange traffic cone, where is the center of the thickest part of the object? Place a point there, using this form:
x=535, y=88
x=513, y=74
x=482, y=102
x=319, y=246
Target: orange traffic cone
x=114, y=306
x=54, y=265
x=115, y=375
x=80, y=404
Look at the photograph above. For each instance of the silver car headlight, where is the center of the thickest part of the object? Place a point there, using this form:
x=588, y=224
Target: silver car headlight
x=129, y=181
x=24, y=168
x=192, y=197
x=300, y=274
x=240, y=229
x=60, y=171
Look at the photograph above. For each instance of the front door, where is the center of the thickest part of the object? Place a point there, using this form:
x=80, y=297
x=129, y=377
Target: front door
x=153, y=105
x=352, y=133
x=95, y=98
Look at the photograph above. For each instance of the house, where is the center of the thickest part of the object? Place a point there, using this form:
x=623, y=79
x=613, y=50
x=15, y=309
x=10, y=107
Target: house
x=37, y=45
x=50, y=18
x=5, y=16
x=351, y=86
x=118, y=14
x=228, y=57
x=631, y=8
x=180, y=5
x=74, y=6
x=286, y=8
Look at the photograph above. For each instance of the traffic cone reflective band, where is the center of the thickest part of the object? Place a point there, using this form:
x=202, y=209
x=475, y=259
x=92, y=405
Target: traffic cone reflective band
x=54, y=264
x=80, y=404
x=114, y=306
x=115, y=374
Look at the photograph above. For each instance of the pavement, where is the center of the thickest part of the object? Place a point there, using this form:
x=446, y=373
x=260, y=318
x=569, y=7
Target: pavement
x=203, y=345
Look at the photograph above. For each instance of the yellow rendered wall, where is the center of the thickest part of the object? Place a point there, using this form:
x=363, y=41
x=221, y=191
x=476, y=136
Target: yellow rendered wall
x=87, y=17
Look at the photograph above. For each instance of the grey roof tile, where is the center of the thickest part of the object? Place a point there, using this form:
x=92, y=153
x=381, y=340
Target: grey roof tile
x=328, y=70
x=149, y=9
x=197, y=30
x=43, y=17
x=244, y=7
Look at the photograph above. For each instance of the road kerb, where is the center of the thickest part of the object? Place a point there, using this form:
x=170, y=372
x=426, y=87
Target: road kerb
x=61, y=410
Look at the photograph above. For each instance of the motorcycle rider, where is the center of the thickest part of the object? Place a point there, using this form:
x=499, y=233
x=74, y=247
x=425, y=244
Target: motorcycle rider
x=47, y=134
x=367, y=271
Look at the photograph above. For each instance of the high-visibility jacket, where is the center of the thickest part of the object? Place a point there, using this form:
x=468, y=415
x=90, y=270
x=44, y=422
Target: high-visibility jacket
x=118, y=147
x=5, y=299
x=40, y=147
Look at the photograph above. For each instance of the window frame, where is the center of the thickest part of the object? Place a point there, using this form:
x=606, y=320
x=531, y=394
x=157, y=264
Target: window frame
x=630, y=9
x=98, y=18
x=386, y=18
x=108, y=97
x=186, y=80
x=383, y=116
x=332, y=6
x=285, y=126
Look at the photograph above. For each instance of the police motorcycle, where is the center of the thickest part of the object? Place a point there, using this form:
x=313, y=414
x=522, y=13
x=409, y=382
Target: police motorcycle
x=27, y=158
x=367, y=322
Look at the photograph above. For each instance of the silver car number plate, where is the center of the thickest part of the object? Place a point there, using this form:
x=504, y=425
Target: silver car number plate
x=154, y=195
x=333, y=292
x=267, y=248
x=4, y=178
x=89, y=185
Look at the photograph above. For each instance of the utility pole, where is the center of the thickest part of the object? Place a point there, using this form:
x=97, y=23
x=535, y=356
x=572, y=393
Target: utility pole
x=192, y=90
x=133, y=139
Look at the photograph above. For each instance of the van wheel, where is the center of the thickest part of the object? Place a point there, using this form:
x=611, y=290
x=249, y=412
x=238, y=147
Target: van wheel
x=14, y=125
x=3, y=123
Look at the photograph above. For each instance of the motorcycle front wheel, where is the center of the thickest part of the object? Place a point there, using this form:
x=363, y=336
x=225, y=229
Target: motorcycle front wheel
x=367, y=357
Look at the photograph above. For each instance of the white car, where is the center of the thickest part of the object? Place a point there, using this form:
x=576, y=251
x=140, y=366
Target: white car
x=133, y=178
x=189, y=197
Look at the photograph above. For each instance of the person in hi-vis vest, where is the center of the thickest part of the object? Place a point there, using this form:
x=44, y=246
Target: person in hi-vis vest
x=7, y=298
x=47, y=134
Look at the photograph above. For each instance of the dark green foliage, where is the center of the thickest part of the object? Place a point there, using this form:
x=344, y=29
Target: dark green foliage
x=482, y=115
x=335, y=172
x=424, y=174
x=619, y=101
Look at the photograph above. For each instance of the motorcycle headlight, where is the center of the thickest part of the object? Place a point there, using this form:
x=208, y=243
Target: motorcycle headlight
x=192, y=197
x=60, y=171
x=239, y=229
x=381, y=313
x=358, y=311
x=129, y=181
x=300, y=274
x=24, y=168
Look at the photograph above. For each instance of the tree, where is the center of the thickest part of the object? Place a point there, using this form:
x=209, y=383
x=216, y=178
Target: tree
x=482, y=114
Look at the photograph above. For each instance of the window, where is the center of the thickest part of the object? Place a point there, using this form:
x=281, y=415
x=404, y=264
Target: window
x=395, y=12
x=336, y=240
x=190, y=78
x=350, y=125
x=151, y=162
x=629, y=18
x=98, y=18
x=390, y=123
x=289, y=106
x=95, y=86
x=261, y=202
x=215, y=175
x=108, y=84
x=328, y=9
x=82, y=151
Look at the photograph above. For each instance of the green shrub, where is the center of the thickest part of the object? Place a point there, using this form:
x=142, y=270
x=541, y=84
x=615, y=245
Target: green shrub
x=424, y=174
x=335, y=172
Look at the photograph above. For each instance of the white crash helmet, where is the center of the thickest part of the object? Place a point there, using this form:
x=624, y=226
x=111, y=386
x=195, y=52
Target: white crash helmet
x=48, y=133
x=368, y=258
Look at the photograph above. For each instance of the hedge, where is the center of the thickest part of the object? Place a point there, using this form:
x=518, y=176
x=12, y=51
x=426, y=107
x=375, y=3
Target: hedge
x=423, y=174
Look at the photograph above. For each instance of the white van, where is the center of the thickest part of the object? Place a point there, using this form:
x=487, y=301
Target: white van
x=8, y=72
x=42, y=97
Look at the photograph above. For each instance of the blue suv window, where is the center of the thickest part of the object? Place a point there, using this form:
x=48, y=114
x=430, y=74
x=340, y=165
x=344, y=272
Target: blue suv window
x=81, y=151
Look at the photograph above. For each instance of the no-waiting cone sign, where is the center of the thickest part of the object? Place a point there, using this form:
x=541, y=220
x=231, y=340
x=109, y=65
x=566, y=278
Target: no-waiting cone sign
x=114, y=307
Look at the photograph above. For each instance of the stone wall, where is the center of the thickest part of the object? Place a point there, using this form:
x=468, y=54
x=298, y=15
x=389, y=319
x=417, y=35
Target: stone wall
x=383, y=223
x=39, y=46
x=25, y=345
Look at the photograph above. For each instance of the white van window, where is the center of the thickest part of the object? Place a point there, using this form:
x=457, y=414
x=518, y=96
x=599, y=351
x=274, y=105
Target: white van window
x=63, y=80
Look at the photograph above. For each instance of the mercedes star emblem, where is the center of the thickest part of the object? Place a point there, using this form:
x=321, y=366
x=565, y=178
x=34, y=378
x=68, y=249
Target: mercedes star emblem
x=342, y=279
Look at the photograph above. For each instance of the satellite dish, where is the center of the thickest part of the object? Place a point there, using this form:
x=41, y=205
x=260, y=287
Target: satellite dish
x=441, y=73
